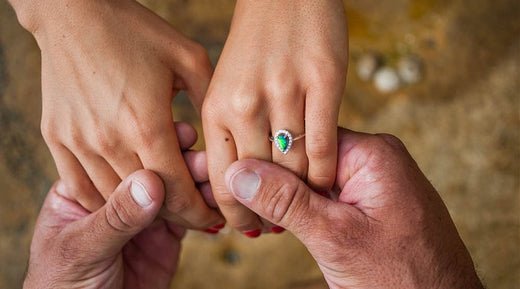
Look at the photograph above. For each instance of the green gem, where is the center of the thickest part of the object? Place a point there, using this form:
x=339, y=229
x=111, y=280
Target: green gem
x=283, y=142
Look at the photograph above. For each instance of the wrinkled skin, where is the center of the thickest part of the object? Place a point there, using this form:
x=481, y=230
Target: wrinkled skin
x=388, y=228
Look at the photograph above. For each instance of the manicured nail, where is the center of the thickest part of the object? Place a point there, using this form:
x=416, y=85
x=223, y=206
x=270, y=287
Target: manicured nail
x=140, y=195
x=245, y=183
x=218, y=227
x=253, y=233
x=211, y=231
x=277, y=230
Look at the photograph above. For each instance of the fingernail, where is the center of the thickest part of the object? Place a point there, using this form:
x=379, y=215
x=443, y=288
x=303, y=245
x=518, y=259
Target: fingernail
x=277, y=230
x=140, y=195
x=253, y=233
x=211, y=231
x=245, y=183
x=218, y=227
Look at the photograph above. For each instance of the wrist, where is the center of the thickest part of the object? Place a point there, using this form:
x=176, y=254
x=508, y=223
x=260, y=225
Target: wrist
x=33, y=14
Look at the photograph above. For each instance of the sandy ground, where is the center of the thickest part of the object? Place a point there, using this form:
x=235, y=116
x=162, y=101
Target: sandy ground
x=461, y=122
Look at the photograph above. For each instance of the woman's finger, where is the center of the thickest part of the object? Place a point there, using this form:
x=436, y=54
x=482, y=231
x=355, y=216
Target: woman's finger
x=186, y=134
x=77, y=183
x=207, y=194
x=289, y=115
x=197, y=163
x=321, y=122
x=100, y=172
x=183, y=203
x=222, y=152
x=124, y=163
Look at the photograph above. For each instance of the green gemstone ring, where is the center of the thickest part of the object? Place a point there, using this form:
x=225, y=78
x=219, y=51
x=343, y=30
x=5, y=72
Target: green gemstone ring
x=283, y=140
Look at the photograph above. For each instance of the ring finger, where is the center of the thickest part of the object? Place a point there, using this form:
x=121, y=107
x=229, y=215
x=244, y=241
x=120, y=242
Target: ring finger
x=103, y=176
x=290, y=117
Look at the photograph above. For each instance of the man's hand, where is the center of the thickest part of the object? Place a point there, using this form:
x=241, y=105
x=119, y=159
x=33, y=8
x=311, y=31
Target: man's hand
x=109, y=72
x=109, y=248
x=388, y=228
x=283, y=67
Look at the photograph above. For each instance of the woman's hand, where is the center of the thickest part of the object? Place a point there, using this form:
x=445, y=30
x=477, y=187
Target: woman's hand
x=109, y=72
x=282, y=67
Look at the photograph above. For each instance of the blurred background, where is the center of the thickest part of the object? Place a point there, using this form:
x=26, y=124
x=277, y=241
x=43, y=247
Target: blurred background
x=442, y=75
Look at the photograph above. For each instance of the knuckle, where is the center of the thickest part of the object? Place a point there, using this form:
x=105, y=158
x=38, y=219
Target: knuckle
x=284, y=89
x=287, y=203
x=49, y=132
x=118, y=217
x=328, y=75
x=319, y=147
x=224, y=198
x=288, y=98
x=106, y=145
x=76, y=141
x=392, y=140
x=147, y=136
x=141, y=127
x=177, y=203
x=379, y=144
x=245, y=106
x=199, y=58
x=373, y=146
x=376, y=149
x=76, y=189
x=321, y=181
x=298, y=166
x=210, y=108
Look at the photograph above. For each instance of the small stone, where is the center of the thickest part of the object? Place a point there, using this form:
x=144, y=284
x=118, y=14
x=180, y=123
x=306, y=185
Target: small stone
x=410, y=69
x=367, y=66
x=386, y=80
x=282, y=141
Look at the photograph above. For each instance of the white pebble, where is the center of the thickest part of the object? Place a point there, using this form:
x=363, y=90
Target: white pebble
x=366, y=66
x=410, y=69
x=386, y=80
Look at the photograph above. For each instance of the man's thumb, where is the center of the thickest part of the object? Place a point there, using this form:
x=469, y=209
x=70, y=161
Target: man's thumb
x=131, y=208
x=275, y=194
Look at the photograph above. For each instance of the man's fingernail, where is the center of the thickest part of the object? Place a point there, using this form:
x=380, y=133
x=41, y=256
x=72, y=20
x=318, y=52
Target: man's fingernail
x=140, y=195
x=253, y=233
x=277, y=229
x=245, y=184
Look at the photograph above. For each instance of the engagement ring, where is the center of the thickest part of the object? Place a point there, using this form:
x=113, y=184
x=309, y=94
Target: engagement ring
x=283, y=140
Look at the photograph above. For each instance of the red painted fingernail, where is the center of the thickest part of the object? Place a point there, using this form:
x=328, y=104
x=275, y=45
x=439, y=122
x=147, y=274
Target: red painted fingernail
x=218, y=227
x=253, y=233
x=277, y=230
x=211, y=231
